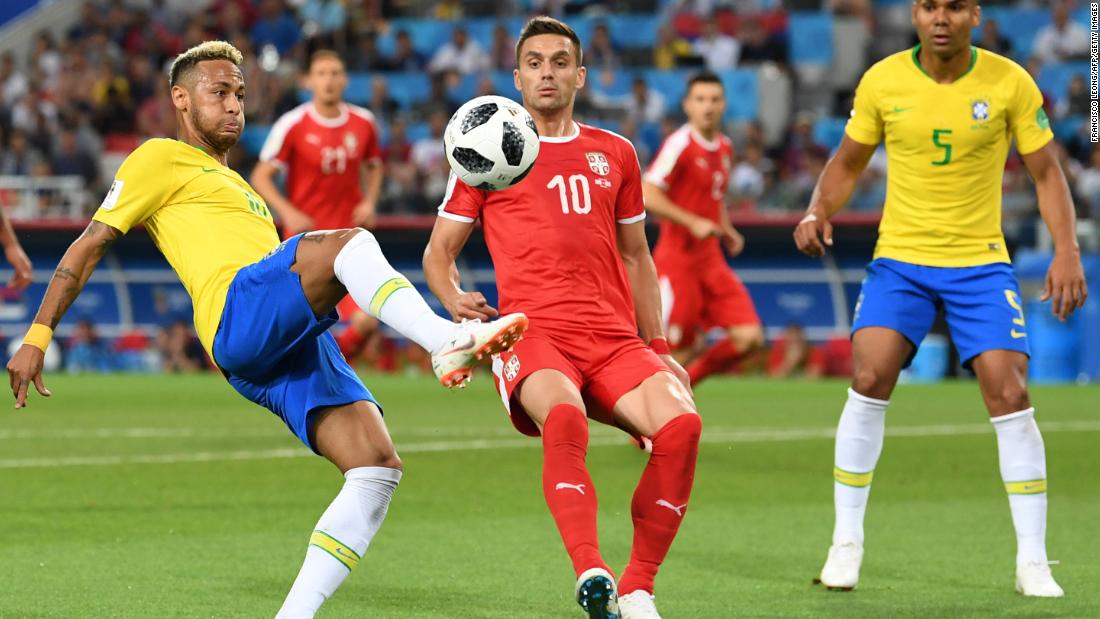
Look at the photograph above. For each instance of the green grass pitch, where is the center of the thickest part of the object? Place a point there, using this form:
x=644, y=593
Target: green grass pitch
x=165, y=496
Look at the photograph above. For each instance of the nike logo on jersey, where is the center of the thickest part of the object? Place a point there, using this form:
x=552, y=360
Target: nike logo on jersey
x=678, y=509
x=1017, y=334
x=564, y=486
x=209, y=169
x=899, y=110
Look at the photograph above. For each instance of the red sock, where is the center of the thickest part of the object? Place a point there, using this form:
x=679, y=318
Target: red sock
x=660, y=500
x=716, y=359
x=351, y=342
x=567, y=485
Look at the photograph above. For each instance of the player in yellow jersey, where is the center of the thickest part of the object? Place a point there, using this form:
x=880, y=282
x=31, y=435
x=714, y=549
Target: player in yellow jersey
x=262, y=309
x=946, y=113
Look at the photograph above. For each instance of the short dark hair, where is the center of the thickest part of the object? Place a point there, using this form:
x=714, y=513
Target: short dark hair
x=548, y=25
x=324, y=54
x=210, y=50
x=704, y=77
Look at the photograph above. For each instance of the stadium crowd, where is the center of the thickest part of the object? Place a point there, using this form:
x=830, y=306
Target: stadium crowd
x=99, y=88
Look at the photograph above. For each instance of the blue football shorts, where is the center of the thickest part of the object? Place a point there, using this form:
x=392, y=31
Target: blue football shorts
x=982, y=304
x=276, y=352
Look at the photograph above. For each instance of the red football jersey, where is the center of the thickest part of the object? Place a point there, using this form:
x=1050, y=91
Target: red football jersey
x=553, y=237
x=322, y=158
x=694, y=173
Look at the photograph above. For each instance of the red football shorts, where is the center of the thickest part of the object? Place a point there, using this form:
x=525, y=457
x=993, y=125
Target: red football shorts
x=603, y=371
x=697, y=298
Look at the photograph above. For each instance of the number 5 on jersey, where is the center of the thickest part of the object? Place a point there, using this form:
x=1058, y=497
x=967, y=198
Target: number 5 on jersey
x=578, y=190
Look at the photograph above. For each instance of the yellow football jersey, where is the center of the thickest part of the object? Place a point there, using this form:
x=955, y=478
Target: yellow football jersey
x=946, y=146
x=206, y=220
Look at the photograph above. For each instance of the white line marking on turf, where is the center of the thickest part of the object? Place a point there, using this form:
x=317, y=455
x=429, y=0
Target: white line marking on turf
x=719, y=435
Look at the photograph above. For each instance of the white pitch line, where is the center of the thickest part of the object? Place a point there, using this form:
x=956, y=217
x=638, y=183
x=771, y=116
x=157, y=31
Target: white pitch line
x=273, y=431
x=720, y=435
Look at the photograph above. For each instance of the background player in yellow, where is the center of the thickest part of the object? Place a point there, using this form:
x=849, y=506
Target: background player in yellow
x=263, y=309
x=946, y=113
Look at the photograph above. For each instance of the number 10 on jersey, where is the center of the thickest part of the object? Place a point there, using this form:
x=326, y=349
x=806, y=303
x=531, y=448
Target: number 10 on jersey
x=579, y=192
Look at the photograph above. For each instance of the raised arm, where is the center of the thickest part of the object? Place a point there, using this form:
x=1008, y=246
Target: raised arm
x=448, y=239
x=833, y=189
x=68, y=280
x=13, y=251
x=1065, y=281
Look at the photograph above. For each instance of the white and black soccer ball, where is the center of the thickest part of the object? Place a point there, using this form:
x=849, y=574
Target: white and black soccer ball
x=491, y=143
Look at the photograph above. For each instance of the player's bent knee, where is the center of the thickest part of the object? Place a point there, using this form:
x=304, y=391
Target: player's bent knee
x=683, y=431
x=1009, y=399
x=869, y=382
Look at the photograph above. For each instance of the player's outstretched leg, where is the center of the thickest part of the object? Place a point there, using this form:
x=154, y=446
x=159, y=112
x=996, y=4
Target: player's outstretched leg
x=738, y=343
x=1002, y=375
x=361, y=268
x=354, y=438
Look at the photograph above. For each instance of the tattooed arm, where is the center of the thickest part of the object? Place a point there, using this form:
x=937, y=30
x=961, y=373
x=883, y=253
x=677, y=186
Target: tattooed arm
x=68, y=280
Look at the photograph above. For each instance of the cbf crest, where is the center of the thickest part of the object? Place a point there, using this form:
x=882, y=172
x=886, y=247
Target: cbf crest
x=979, y=110
x=598, y=163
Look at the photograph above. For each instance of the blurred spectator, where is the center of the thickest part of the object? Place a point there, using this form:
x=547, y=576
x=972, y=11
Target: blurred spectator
x=401, y=189
x=792, y=355
x=671, y=48
x=86, y=352
x=439, y=98
x=448, y=10
x=180, y=350
x=629, y=130
x=502, y=53
x=758, y=44
x=140, y=76
x=366, y=55
x=426, y=153
x=643, y=104
x=69, y=160
x=91, y=19
x=13, y=84
x=1088, y=182
x=720, y=51
x=20, y=157
x=275, y=27
x=600, y=53
x=156, y=118
x=231, y=21
x=1062, y=39
x=161, y=12
x=45, y=61
x=747, y=179
x=461, y=54
x=116, y=114
x=384, y=107
x=26, y=112
x=1076, y=101
x=405, y=57
x=993, y=40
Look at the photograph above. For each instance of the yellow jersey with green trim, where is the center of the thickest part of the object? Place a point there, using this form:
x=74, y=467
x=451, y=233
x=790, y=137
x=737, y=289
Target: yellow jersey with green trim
x=206, y=220
x=946, y=146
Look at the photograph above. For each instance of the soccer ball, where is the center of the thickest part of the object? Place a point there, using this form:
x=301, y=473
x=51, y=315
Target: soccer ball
x=491, y=143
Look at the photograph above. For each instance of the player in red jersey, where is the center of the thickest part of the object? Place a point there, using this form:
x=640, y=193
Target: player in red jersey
x=569, y=247
x=324, y=146
x=686, y=186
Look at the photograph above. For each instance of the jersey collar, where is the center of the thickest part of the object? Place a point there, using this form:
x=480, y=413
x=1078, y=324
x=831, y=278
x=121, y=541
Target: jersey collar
x=973, y=61
x=328, y=122
x=711, y=145
x=563, y=139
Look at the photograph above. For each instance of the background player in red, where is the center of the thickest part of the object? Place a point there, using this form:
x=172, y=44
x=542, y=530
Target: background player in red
x=329, y=151
x=686, y=186
x=569, y=247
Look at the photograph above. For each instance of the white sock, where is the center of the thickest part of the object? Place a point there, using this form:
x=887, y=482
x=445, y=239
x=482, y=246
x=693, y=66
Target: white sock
x=1024, y=471
x=340, y=538
x=385, y=293
x=858, y=445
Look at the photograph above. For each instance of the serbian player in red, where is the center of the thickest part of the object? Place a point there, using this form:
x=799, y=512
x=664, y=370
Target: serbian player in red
x=324, y=146
x=568, y=245
x=686, y=186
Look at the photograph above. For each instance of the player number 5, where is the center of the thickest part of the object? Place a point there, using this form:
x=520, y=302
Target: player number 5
x=579, y=192
x=936, y=135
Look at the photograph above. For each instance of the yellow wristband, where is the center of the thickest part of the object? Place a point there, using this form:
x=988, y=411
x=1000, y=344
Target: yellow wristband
x=39, y=336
